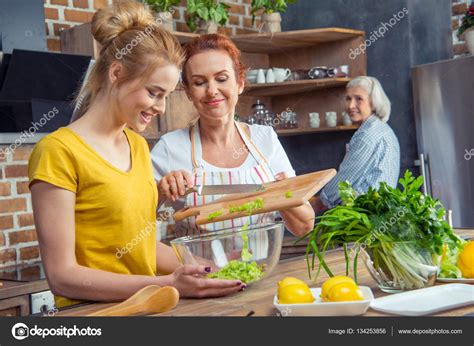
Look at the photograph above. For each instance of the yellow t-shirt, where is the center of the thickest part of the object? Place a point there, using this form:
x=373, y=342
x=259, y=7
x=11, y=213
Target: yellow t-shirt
x=115, y=212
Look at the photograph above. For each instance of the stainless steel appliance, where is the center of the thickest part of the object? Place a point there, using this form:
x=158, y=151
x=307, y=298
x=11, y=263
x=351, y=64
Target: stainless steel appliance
x=444, y=111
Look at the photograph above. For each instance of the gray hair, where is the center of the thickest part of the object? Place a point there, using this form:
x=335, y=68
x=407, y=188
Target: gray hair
x=377, y=96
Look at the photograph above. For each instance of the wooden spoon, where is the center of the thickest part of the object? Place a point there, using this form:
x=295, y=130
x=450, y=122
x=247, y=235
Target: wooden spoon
x=149, y=300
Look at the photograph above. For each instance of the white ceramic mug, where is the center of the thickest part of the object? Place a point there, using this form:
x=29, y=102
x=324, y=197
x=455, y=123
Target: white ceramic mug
x=281, y=74
x=346, y=119
x=252, y=73
x=331, y=119
x=261, y=76
x=314, y=120
x=270, y=76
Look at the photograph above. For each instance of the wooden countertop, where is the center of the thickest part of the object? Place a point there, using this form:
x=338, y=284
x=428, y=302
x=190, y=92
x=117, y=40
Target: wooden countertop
x=259, y=296
x=11, y=289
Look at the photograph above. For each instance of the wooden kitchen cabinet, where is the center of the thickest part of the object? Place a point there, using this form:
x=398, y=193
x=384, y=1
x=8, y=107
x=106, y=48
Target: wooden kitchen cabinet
x=301, y=49
x=16, y=306
x=79, y=40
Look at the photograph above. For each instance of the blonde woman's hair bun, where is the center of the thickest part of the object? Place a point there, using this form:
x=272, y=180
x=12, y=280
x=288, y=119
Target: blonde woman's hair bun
x=108, y=23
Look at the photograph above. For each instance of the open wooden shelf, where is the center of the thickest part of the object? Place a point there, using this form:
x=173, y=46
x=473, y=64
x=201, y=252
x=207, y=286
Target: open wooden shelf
x=293, y=87
x=307, y=131
x=184, y=37
x=271, y=43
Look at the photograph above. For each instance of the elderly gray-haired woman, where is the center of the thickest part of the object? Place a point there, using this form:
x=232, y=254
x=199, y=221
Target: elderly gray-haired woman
x=373, y=154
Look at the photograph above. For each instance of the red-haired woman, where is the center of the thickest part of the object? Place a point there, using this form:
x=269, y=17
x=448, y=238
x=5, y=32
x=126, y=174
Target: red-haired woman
x=204, y=154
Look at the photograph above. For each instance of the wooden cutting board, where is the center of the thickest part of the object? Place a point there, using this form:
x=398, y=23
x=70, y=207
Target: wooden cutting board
x=302, y=188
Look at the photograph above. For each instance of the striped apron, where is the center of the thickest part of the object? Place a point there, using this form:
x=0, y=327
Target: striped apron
x=261, y=173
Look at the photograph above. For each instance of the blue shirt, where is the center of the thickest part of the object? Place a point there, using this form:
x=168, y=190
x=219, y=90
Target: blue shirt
x=373, y=156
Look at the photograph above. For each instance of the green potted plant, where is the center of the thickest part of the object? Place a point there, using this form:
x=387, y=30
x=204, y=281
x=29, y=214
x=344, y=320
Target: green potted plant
x=271, y=17
x=466, y=30
x=164, y=11
x=203, y=16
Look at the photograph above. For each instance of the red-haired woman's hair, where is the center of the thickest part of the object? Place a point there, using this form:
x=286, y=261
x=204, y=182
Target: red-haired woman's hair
x=214, y=42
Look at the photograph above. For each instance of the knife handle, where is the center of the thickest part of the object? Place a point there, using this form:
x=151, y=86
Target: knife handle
x=197, y=189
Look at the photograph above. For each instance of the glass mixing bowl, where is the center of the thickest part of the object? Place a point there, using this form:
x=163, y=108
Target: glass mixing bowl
x=236, y=253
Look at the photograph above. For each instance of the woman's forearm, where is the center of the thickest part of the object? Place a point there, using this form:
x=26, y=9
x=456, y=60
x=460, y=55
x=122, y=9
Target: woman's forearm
x=82, y=283
x=299, y=220
x=166, y=259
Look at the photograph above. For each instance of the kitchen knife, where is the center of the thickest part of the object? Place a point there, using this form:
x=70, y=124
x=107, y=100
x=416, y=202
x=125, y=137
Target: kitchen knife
x=224, y=189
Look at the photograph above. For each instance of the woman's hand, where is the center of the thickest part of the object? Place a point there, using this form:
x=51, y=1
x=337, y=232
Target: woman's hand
x=191, y=282
x=281, y=176
x=298, y=220
x=174, y=184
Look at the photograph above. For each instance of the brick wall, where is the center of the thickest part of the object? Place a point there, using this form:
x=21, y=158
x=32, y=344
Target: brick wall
x=62, y=14
x=459, y=9
x=18, y=242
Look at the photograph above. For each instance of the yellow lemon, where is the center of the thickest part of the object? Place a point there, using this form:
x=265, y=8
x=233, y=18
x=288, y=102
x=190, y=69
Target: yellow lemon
x=290, y=281
x=295, y=294
x=331, y=282
x=344, y=292
x=466, y=260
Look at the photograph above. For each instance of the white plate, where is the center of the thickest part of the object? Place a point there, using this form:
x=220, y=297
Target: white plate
x=459, y=281
x=426, y=301
x=320, y=308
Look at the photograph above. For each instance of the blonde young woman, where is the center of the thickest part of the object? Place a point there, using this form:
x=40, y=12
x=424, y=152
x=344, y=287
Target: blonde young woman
x=91, y=182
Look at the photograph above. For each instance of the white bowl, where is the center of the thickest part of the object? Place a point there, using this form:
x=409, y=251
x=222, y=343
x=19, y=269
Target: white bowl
x=320, y=308
x=252, y=79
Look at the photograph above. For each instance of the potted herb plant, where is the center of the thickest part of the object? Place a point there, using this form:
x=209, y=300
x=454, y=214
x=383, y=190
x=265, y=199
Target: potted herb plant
x=203, y=16
x=466, y=30
x=271, y=18
x=164, y=11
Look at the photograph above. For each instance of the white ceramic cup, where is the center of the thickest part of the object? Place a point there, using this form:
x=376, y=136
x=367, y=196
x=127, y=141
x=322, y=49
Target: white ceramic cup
x=261, y=76
x=252, y=73
x=281, y=74
x=314, y=120
x=346, y=119
x=270, y=78
x=331, y=119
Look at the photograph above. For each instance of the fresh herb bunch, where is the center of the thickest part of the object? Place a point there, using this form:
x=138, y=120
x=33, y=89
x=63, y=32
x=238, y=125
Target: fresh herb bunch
x=161, y=5
x=381, y=220
x=206, y=10
x=468, y=20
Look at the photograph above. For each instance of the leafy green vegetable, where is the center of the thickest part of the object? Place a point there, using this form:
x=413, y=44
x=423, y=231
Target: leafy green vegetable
x=237, y=270
x=215, y=214
x=288, y=194
x=248, y=207
x=245, y=254
x=449, y=260
x=397, y=227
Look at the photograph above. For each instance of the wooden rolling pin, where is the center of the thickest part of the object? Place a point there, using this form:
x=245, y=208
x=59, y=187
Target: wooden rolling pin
x=147, y=301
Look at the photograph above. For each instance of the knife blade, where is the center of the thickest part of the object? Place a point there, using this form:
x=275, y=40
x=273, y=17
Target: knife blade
x=225, y=189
